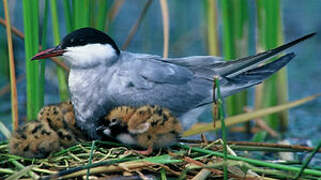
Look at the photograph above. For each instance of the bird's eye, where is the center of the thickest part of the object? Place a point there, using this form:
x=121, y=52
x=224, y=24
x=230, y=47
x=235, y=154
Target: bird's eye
x=81, y=41
x=113, y=120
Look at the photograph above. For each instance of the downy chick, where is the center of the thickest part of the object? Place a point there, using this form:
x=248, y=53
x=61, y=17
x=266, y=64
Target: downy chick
x=55, y=128
x=61, y=119
x=35, y=139
x=148, y=127
x=103, y=77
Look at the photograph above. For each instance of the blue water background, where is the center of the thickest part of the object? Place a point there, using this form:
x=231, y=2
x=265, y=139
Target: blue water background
x=187, y=37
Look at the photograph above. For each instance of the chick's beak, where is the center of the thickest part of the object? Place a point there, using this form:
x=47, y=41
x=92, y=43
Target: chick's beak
x=52, y=52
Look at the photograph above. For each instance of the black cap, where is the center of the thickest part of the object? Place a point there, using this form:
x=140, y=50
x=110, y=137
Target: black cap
x=86, y=36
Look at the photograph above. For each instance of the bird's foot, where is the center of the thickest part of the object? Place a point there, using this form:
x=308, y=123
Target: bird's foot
x=145, y=152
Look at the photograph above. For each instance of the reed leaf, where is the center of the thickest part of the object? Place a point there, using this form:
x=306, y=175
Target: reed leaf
x=253, y=161
x=102, y=14
x=135, y=27
x=222, y=118
x=63, y=90
x=112, y=13
x=4, y=68
x=212, y=34
x=235, y=43
x=270, y=36
x=4, y=130
x=67, y=13
x=165, y=17
x=13, y=84
x=81, y=13
x=20, y=35
x=308, y=160
x=31, y=28
x=20, y=173
x=202, y=128
x=92, y=13
x=43, y=45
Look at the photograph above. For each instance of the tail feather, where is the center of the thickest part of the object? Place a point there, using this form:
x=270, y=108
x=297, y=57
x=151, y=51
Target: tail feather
x=253, y=77
x=233, y=68
x=232, y=85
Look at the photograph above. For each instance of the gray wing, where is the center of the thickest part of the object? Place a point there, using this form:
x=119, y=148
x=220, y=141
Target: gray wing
x=143, y=80
x=208, y=66
x=181, y=84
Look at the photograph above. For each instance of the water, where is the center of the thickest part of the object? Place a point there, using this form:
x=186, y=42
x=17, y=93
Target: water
x=187, y=38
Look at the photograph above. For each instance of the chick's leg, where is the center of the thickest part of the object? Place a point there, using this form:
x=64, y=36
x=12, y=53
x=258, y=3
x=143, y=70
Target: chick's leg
x=146, y=152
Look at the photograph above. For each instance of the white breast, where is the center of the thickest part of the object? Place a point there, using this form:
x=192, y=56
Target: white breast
x=126, y=139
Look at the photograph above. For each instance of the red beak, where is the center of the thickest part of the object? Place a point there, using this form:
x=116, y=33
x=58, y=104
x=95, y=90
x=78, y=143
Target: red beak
x=53, y=52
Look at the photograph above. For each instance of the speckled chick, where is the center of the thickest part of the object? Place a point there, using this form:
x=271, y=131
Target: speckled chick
x=55, y=128
x=147, y=126
x=34, y=140
x=61, y=119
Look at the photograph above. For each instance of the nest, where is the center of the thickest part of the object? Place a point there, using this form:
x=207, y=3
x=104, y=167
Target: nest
x=195, y=160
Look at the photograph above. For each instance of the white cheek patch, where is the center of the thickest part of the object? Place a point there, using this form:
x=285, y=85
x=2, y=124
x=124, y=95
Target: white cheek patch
x=113, y=123
x=126, y=139
x=140, y=128
x=107, y=132
x=89, y=55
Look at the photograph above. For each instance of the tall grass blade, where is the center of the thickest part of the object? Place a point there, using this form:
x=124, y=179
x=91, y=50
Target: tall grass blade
x=308, y=160
x=102, y=14
x=90, y=158
x=270, y=36
x=20, y=166
x=222, y=118
x=20, y=173
x=67, y=13
x=4, y=68
x=253, y=161
x=13, y=84
x=282, y=84
x=165, y=17
x=112, y=13
x=235, y=43
x=31, y=28
x=212, y=34
x=92, y=13
x=81, y=13
x=63, y=90
x=43, y=45
x=4, y=130
x=135, y=27
x=22, y=36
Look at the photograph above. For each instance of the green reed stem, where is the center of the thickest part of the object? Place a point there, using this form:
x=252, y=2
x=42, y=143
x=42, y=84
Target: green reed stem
x=235, y=43
x=4, y=68
x=212, y=34
x=269, y=28
x=31, y=28
x=90, y=158
x=67, y=13
x=43, y=45
x=222, y=118
x=81, y=13
x=253, y=161
x=63, y=90
x=102, y=14
x=269, y=87
x=13, y=84
x=165, y=18
x=316, y=150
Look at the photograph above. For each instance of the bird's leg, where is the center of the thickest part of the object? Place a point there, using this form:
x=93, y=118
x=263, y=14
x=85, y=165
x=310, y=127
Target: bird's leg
x=146, y=152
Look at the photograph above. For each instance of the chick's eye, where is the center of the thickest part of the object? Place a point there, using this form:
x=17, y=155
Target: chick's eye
x=113, y=120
